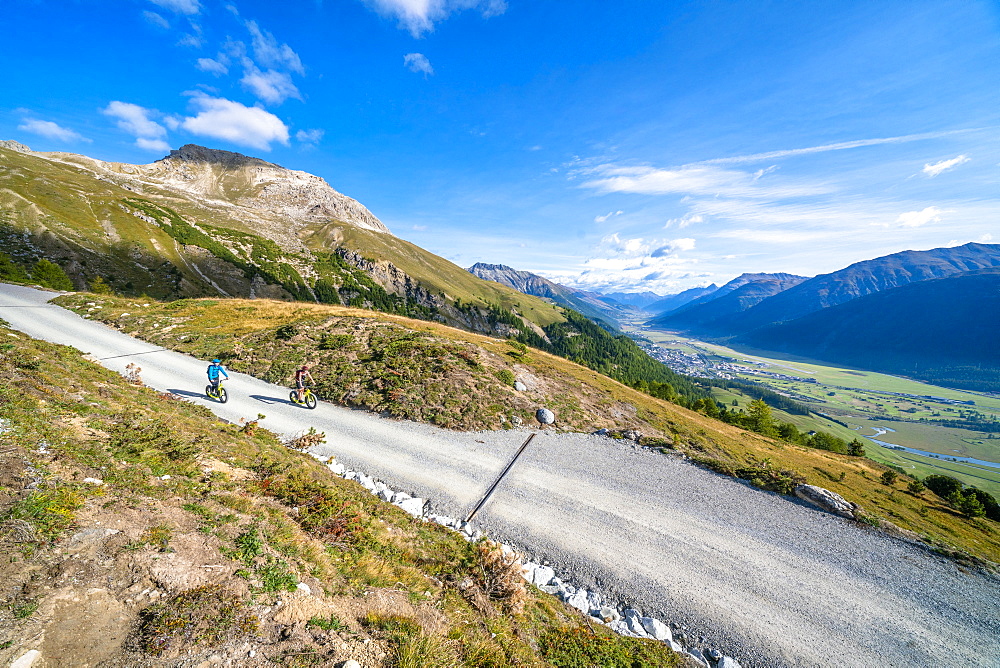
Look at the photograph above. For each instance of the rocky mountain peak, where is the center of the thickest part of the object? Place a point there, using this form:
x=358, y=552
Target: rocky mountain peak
x=196, y=153
x=12, y=145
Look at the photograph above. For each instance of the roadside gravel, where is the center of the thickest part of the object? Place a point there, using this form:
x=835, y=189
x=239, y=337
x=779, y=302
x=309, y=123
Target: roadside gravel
x=765, y=579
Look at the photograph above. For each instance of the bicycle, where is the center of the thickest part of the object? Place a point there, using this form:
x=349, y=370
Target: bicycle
x=309, y=399
x=217, y=392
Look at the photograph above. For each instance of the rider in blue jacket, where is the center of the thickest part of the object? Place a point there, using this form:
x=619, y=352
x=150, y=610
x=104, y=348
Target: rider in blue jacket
x=215, y=374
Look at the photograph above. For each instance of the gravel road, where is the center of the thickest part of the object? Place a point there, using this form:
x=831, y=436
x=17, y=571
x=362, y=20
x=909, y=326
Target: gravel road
x=767, y=580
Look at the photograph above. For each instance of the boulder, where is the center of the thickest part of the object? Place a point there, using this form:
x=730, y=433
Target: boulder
x=633, y=620
x=656, y=629
x=519, y=386
x=413, y=506
x=728, y=662
x=607, y=614
x=27, y=659
x=542, y=575
x=699, y=658
x=545, y=416
x=580, y=601
x=827, y=500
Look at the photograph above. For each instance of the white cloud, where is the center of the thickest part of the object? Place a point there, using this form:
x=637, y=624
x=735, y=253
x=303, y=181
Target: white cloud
x=419, y=228
x=685, y=220
x=51, y=130
x=694, y=179
x=944, y=165
x=152, y=144
x=231, y=121
x=419, y=16
x=188, y=7
x=839, y=146
x=674, y=246
x=155, y=19
x=931, y=214
x=271, y=86
x=417, y=62
x=309, y=136
x=212, y=66
x=194, y=41
x=985, y=239
x=609, y=214
x=778, y=236
x=135, y=120
x=269, y=53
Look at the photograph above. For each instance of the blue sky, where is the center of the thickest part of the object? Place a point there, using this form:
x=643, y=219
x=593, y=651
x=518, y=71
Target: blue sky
x=625, y=145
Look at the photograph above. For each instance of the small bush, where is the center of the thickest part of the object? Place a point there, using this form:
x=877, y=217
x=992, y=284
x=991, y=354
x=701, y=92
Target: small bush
x=499, y=575
x=331, y=624
x=915, y=487
x=889, y=477
x=506, y=376
x=285, y=332
x=335, y=341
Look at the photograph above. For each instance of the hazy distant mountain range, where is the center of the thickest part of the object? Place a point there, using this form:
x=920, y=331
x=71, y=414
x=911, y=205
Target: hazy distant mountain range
x=736, y=296
x=943, y=329
x=590, y=304
x=931, y=314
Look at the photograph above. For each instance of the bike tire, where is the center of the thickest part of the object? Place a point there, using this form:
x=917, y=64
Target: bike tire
x=310, y=401
x=293, y=396
x=223, y=395
x=208, y=392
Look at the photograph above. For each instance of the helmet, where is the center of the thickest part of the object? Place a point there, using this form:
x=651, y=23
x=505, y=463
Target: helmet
x=305, y=366
x=215, y=361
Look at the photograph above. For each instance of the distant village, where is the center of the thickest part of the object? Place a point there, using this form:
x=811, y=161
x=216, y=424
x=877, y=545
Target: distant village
x=699, y=366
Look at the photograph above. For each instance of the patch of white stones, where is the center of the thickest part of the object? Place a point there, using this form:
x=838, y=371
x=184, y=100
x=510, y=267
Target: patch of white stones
x=624, y=621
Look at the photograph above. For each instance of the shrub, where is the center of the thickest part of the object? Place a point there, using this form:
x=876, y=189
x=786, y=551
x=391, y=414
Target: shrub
x=889, y=477
x=499, y=575
x=335, y=341
x=856, y=448
x=286, y=332
x=915, y=487
x=505, y=376
x=50, y=275
x=943, y=485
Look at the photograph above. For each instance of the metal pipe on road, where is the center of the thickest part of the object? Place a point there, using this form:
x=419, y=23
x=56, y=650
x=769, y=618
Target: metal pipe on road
x=500, y=477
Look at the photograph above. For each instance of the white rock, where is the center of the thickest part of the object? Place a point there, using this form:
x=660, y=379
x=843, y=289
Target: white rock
x=399, y=497
x=303, y=587
x=545, y=416
x=728, y=662
x=607, y=614
x=579, y=601
x=595, y=600
x=336, y=468
x=413, y=506
x=527, y=568
x=27, y=659
x=350, y=663
x=379, y=486
x=675, y=646
x=656, y=629
x=519, y=386
x=698, y=657
x=542, y=575
x=386, y=494
x=93, y=481
x=164, y=477
x=634, y=622
x=825, y=499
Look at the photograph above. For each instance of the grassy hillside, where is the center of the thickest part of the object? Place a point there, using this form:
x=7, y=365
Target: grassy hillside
x=137, y=530
x=427, y=371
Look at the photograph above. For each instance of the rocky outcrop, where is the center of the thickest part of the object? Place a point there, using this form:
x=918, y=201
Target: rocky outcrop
x=12, y=145
x=258, y=184
x=827, y=500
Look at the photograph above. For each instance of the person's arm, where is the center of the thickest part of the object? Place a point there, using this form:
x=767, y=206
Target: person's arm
x=223, y=370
